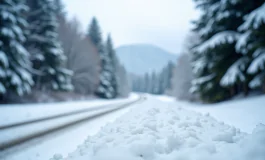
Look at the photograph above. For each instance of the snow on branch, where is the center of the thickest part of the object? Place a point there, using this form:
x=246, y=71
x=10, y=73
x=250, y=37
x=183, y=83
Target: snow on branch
x=235, y=72
x=259, y=62
x=254, y=19
x=218, y=39
x=242, y=43
x=230, y=1
x=3, y=59
x=257, y=81
x=203, y=80
x=199, y=65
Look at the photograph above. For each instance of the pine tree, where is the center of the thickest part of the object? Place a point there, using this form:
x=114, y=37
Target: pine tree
x=252, y=42
x=113, y=61
x=154, y=83
x=59, y=8
x=95, y=35
x=146, y=82
x=47, y=52
x=14, y=58
x=170, y=68
x=107, y=82
x=213, y=58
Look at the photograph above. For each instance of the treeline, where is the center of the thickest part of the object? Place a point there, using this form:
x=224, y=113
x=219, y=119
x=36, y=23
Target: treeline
x=41, y=50
x=229, y=58
x=154, y=83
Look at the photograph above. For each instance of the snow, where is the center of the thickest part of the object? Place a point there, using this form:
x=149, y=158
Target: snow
x=2, y=73
x=7, y=32
x=15, y=80
x=25, y=75
x=19, y=48
x=199, y=65
x=235, y=72
x=8, y=16
x=217, y=39
x=158, y=130
x=242, y=43
x=10, y=114
x=2, y=88
x=259, y=62
x=242, y=113
x=257, y=81
x=230, y=1
x=207, y=29
x=203, y=80
x=255, y=19
x=46, y=147
x=12, y=134
x=3, y=59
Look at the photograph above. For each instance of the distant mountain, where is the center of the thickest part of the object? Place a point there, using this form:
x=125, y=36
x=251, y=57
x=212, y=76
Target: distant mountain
x=142, y=58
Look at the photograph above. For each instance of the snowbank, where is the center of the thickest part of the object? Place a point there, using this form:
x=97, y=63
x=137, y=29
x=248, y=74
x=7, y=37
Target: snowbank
x=157, y=130
x=243, y=113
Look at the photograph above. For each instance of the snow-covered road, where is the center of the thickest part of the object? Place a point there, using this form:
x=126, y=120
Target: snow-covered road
x=53, y=142
x=62, y=142
x=10, y=114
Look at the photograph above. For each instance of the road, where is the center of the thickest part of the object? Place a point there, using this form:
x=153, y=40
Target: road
x=64, y=139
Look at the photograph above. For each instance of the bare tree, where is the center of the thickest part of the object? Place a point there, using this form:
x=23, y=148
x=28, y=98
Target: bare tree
x=182, y=74
x=82, y=57
x=182, y=77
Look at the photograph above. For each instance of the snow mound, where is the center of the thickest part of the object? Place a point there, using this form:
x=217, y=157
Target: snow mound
x=163, y=131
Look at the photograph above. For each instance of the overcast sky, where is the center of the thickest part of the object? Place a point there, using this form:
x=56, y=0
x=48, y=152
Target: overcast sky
x=164, y=23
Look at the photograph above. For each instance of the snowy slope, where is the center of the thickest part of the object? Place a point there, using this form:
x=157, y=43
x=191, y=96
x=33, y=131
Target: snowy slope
x=159, y=130
x=142, y=58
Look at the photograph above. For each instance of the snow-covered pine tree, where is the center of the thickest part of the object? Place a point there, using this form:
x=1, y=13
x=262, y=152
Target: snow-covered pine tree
x=161, y=81
x=59, y=8
x=213, y=57
x=112, y=67
x=105, y=88
x=155, y=83
x=170, y=68
x=146, y=82
x=14, y=58
x=95, y=35
x=252, y=42
x=238, y=70
x=46, y=49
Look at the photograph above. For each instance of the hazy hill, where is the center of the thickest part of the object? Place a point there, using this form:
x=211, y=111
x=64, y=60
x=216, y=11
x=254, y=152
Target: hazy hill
x=142, y=58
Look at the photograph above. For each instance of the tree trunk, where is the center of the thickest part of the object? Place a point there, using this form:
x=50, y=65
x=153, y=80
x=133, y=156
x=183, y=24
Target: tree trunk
x=245, y=89
x=263, y=87
x=232, y=91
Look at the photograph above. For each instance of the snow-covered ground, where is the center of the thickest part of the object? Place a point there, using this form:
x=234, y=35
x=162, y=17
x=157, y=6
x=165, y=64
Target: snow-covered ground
x=242, y=113
x=160, y=129
x=10, y=114
x=64, y=141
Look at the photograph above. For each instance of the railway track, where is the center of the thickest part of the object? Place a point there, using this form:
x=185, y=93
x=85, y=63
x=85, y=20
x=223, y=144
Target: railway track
x=12, y=135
